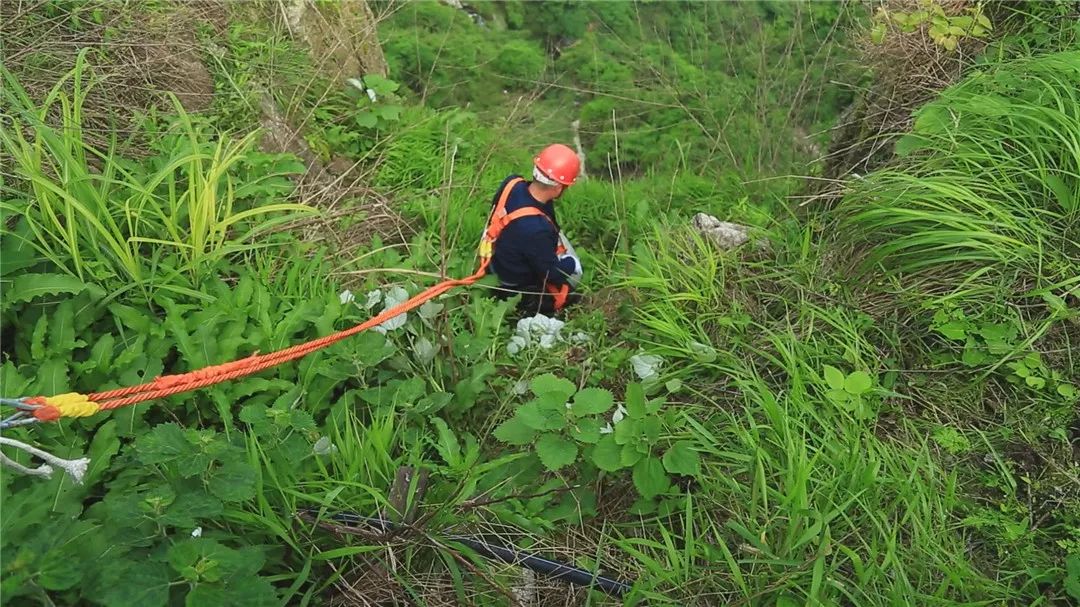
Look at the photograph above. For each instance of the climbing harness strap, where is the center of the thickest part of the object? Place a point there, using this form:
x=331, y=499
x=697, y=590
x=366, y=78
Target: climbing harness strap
x=499, y=219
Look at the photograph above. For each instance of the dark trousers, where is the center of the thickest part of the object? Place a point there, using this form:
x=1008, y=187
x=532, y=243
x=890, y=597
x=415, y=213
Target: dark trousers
x=534, y=300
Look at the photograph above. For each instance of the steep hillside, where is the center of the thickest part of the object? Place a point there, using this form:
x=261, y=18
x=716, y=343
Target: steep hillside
x=864, y=392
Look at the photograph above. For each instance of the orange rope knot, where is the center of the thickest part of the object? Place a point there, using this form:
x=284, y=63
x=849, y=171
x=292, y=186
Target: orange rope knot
x=171, y=381
x=72, y=404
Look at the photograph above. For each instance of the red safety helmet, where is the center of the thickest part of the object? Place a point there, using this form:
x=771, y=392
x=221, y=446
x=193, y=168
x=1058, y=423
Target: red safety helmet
x=558, y=163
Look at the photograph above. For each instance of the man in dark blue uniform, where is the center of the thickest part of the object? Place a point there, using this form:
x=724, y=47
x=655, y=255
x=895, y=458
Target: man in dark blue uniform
x=531, y=257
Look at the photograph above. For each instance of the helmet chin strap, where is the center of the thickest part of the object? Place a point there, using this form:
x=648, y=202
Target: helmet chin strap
x=539, y=175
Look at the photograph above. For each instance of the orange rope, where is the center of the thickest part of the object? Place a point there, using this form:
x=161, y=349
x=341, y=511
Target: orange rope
x=74, y=404
x=168, y=385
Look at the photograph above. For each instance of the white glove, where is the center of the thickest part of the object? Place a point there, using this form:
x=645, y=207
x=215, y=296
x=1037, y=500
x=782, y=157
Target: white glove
x=574, y=278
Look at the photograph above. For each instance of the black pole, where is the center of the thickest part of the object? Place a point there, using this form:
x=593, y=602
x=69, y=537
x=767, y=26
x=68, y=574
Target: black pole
x=534, y=562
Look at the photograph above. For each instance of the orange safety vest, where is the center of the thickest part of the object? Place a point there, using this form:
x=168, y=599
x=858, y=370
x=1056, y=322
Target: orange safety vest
x=498, y=221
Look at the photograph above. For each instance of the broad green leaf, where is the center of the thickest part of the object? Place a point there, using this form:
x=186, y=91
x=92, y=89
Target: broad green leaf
x=234, y=481
x=838, y=396
x=586, y=430
x=549, y=384
x=12, y=383
x=834, y=377
x=207, y=560
x=237, y=591
x=973, y=355
x=62, y=329
x=163, y=444
x=103, y=447
x=515, y=432
x=390, y=112
x=371, y=348
x=100, y=355
x=1067, y=390
x=60, y=570
x=960, y=22
x=556, y=451
x=37, y=338
x=156, y=499
x=592, y=401
x=651, y=427
x=52, y=377
x=447, y=445
x=366, y=119
x=606, y=454
x=631, y=454
x=543, y=414
x=650, y=478
x=16, y=251
x=681, y=458
x=1072, y=575
x=858, y=382
x=189, y=507
x=130, y=584
x=256, y=416
x=380, y=84
x=956, y=329
x=301, y=420
x=626, y=431
x=635, y=401
x=29, y=286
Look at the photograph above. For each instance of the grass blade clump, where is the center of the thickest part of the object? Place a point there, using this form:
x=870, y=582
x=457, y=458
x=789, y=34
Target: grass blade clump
x=988, y=185
x=107, y=219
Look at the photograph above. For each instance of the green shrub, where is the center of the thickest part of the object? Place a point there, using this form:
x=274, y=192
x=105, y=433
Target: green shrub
x=521, y=62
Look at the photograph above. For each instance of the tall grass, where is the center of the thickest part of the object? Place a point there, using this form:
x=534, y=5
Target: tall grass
x=111, y=220
x=803, y=502
x=988, y=190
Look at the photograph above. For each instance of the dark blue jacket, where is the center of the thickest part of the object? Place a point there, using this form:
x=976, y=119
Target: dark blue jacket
x=525, y=251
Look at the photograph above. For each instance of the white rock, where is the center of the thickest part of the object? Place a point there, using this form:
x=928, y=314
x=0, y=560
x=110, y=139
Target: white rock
x=723, y=234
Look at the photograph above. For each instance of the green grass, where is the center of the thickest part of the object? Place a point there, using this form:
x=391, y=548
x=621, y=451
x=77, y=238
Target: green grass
x=989, y=192
x=103, y=218
x=877, y=407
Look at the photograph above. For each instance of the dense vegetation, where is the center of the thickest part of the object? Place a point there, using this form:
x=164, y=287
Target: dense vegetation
x=875, y=401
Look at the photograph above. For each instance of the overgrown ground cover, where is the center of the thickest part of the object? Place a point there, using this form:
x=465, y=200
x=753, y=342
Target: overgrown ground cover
x=877, y=405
